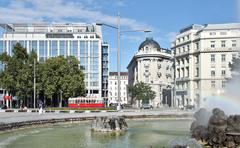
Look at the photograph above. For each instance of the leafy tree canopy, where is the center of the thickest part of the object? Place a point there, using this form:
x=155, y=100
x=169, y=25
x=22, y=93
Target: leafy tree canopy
x=142, y=91
x=55, y=75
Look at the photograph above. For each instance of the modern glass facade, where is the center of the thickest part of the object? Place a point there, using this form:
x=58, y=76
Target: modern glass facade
x=105, y=71
x=83, y=42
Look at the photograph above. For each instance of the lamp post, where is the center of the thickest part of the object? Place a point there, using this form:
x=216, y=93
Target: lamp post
x=118, y=51
x=60, y=103
x=34, y=83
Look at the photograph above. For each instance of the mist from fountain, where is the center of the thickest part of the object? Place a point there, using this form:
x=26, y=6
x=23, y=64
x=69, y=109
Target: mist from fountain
x=228, y=99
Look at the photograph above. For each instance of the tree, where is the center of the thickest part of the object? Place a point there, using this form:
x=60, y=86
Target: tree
x=235, y=66
x=54, y=77
x=62, y=76
x=17, y=76
x=142, y=91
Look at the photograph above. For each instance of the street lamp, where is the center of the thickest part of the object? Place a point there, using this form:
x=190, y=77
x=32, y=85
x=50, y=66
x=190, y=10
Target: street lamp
x=34, y=83
x=118, y=51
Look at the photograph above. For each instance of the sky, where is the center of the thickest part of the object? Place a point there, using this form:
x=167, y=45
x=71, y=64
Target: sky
x=163, y=17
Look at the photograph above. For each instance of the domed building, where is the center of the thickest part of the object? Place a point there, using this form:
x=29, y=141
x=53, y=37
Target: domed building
x=153, y=65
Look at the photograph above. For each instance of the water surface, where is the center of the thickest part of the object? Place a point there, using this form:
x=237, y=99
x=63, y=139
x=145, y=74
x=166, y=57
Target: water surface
x=141, y=133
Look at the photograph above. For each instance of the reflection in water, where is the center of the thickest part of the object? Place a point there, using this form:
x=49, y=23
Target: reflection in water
x=141, y=133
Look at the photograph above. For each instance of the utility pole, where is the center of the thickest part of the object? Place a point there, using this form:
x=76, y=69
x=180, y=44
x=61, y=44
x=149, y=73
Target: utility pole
x=118, y=60
x=34, y=84
x=60, y=103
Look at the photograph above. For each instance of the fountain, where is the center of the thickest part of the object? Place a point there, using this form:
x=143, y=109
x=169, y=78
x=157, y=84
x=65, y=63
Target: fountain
x=109, y=124
x=220, y=130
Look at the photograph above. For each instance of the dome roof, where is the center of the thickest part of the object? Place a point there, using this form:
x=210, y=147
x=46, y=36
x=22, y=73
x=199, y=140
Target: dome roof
x=151, y=43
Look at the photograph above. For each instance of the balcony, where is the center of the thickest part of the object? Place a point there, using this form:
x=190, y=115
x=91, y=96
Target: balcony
x=222, y=49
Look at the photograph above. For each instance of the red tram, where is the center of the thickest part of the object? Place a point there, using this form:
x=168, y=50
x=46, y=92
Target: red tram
x=85, y=102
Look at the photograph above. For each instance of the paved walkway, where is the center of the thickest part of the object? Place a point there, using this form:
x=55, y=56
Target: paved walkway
x=15, y=117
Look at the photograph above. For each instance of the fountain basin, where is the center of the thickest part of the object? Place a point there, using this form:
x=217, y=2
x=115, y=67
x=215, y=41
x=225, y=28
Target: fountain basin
x=141, y=133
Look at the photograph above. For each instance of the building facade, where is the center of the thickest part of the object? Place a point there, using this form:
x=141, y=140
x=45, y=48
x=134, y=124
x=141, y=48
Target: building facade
x=113, y=88
x=84, y=41
x=153, y=65
x=202, y=55
x=105, y=71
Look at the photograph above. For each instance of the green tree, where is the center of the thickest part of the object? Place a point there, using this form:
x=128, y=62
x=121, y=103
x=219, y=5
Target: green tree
x=17, y=76
x=62, y=76
x=235, y=65
x=54, y=77
x=141, y=91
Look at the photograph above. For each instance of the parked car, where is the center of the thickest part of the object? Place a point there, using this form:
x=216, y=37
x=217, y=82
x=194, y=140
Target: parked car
x=189, y=107
x=146, y=106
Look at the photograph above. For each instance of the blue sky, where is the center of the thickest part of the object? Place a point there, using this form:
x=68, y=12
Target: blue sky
x=164, y=17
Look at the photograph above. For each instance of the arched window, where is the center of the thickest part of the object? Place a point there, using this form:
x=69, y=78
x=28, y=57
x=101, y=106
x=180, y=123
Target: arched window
x=146, y=49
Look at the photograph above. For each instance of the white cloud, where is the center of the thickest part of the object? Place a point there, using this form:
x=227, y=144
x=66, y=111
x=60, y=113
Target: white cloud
x=62, y=11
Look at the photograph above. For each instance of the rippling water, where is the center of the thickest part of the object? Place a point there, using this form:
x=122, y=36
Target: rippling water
x=141, y=133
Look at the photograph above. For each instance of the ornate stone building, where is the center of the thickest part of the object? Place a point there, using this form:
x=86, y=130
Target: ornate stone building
x=153, y=65
x=202, y=54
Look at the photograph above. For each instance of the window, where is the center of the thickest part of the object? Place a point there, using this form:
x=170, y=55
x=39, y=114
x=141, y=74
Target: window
x=197, y=46
x=146, y=69
x=53, y=48
x=212, y=57
x=146, y=79
x=1, y=47
x=223, y=43
x=197, y=72
x=188, y=37
x=183, y=49
x=223, y=84
x=197, y=85
x=178, y=73
x=197, y=59
x=34, y=46
x=234, y=43
x=213, y=73
x=223, y=72
x=223, y=57
x=188, y=47
x=183, y=61
x=223, y=33
x=187, y=71
x=212, y=33
x=183, y=72
x=213, y=85
x=212, y=44
x=146, y=49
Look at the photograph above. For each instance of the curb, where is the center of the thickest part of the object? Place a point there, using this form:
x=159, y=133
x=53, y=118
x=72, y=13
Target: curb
x=55, y=111
x=16, y=125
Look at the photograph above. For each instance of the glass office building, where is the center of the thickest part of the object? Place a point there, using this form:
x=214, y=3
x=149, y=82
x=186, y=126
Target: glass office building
x=83, y=41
